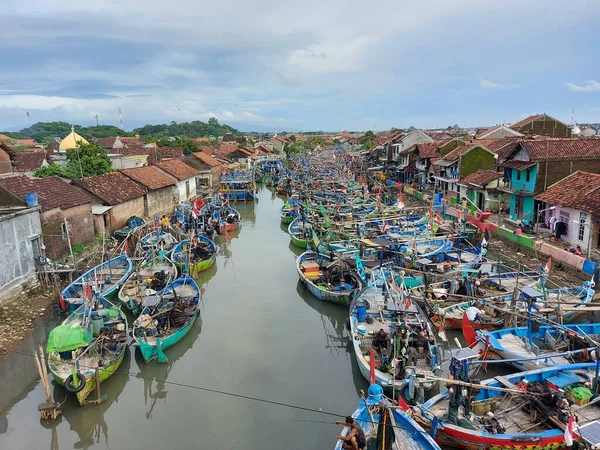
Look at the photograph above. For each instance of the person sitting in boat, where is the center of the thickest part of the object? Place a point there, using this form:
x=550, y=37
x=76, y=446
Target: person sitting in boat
x=231, y=218
x=355, y=439
x=380, y=341
x=159, y=280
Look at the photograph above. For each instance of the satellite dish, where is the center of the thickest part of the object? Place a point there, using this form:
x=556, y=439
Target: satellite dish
x=576, y=130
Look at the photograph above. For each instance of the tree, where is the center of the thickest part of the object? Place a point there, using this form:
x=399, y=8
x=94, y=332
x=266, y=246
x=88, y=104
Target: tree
x=292, y=137
x=369, y=135
x=213, y=122
x=87, y=160
x=50, y=171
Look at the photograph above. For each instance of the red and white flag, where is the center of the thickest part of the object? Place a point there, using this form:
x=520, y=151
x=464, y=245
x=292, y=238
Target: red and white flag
x=408, y=304
x=569, y=431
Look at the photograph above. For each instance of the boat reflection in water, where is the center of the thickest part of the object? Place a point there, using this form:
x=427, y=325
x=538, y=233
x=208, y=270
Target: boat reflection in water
x=88, y=422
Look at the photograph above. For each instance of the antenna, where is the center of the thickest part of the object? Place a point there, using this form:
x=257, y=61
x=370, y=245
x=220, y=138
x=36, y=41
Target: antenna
x=121, y=119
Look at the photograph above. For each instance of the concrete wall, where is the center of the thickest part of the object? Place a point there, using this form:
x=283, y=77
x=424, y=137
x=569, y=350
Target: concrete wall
x=186, y=194
x=557, y=170
x=123, y=211
x=161, y=201
x=16, y=252
x=572, y=236
x=81, y=224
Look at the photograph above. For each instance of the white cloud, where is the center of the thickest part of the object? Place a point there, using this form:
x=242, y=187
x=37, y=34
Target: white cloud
x=587, y=86
x=331, y=57
x=487, y=84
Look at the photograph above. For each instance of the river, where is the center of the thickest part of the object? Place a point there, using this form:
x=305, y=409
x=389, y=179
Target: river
x=259, y=336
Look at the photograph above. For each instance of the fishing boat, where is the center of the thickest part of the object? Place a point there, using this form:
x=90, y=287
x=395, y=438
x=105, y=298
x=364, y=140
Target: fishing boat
x=131, y=225
x=238, y=186
x=300, y=232
x=526, y=410
x=288, y=213
x=151, y=276
x=528, y=349
x=88, y=347
x=166, y=318
x=106, y=278
x=222, y=215
x=194, y=256
x=157, y=240
x=386, y=426
x=387, y=325
x=330, y=280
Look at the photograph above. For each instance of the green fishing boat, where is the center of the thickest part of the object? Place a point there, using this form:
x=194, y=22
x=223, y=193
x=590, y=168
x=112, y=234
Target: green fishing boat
x=300, y=232
x=88, y=347
x=166, y=318
x=195, y=256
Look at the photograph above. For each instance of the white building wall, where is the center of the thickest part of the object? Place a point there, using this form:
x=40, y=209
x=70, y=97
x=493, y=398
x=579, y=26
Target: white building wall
x=185, y=186
x=572, y=215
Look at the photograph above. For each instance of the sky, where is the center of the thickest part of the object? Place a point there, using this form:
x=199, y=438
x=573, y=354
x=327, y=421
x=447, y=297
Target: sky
x=289, y=65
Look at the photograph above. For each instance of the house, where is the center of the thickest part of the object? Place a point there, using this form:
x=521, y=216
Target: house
x=128, y=158
x=186, y=177
x=458, y=163
x=278, y=144
x=542, y=125
x=575, y=201
x=228, y=138
x=497, y=132
x=132, y=141
x=481, y=188
x=416, y=162
x=5, y=138
x=403, y=142
x=209, y=168
x=587, y=131
x=530, y=166
x=29, y=162
x=115, y=198
x=21, y=237
x=162, y=194
x=66, y=212
x=26, y=142
x=109, y=143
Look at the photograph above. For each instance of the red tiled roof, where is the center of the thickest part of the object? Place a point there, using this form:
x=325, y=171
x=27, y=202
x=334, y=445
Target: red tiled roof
x=106, y=142
x=263, y=149
x=526, y=121
x=28, y=142
x=131, y=140
x=53, y=192
x=28, y=161
x=428, y=150
x=519, y=165
x=580, y=190
x=150, y=177
x=4, y=137
x=228, y=137
x=178, y=169
x=207, y=159
x=583, y=148
x=481, y=178
x=112, y=188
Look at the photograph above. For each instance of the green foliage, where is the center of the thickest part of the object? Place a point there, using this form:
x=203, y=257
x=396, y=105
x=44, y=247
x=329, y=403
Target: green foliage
x=45, y=132
x=369, y=135
x=78, y=249
x=189, y=147
x=368, y=144
x=295, y=147
x=193, y=129
x=87, y=160
x=49, y=171
x=292, y=137
x=452, y=145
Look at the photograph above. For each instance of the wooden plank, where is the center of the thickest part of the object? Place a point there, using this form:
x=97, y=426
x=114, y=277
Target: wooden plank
x=504, y=382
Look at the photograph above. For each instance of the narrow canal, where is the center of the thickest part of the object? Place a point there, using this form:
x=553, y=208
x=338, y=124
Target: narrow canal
x=259, y=336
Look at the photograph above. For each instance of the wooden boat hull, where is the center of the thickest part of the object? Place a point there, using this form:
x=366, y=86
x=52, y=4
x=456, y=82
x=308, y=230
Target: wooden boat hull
x=152, y=352
x=286, y=220
x=339, y=298
x=196, y=268
x=300, y=243
x=452, y=323
x=90, y=382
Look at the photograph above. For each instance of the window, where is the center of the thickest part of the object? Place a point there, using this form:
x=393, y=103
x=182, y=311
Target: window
x=527, y=175
x=565, y=217
x=65, y=228
x=187, y=189
x=518, y=175
x=582, y=221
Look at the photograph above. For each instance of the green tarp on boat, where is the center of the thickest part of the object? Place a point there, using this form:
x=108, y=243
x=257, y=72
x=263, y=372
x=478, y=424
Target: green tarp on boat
x=66, y=337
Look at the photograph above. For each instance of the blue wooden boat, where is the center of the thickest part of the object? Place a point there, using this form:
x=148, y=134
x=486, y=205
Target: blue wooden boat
x=330, y=280
x=527, y=423
x=238, y=186
x=166, y=318
x=526, y=349
x=191, y=259
x=385, y=305
x=157, y=240
x=105, y=278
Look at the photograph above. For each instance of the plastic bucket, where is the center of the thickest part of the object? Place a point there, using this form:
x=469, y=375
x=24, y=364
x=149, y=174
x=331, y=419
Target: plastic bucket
x=361, y=310
x=97, y=324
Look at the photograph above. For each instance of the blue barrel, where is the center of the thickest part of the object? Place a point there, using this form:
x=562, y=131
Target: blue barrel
x=361, y=310
x=31, y=199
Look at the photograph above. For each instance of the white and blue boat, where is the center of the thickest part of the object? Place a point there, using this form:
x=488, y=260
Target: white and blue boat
x=105, y=279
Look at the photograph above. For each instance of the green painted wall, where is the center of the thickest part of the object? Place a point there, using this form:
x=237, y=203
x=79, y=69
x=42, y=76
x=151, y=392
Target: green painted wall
x=476, y=159
x=449, y=147
x=510, y=235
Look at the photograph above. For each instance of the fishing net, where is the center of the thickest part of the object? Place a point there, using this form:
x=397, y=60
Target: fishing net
x=65, y=338
x=109, y=313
